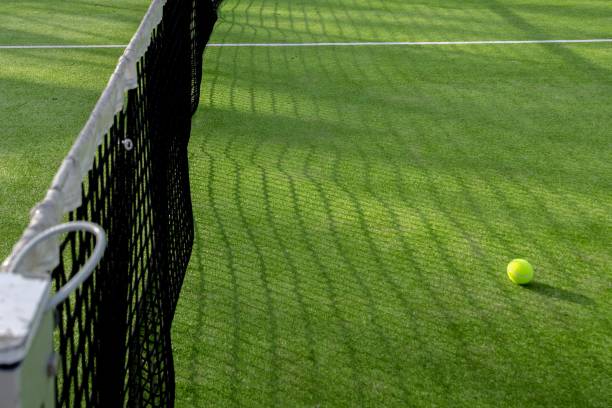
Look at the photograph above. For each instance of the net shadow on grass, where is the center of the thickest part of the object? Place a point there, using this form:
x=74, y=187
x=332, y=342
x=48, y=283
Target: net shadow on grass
x=261, y=262
x=409, y=264
x=274, y=306
x=297, y=282
x=298, y=292
x=492, y=181
x=296, y=172
x=564, y=52
x=392, y=275
x=252, y=172
x=458, y=223
x=360, y=269
x=230, y=258
x=330, y=191
x=323, y=274
x=263, y=271
x=319, y=146
x=196, y=265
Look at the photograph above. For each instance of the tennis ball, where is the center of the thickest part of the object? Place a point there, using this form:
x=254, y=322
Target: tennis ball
x=520, y=271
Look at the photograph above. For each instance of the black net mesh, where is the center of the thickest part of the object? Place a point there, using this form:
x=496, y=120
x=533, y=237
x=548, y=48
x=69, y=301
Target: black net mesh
x=203, y=18
x=114, y=332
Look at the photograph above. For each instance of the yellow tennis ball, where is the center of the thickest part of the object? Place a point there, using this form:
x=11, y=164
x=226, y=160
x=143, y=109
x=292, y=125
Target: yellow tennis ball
x=520, y=271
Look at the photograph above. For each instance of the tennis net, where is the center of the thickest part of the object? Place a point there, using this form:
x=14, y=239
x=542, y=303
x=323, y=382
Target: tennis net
x=128, y=172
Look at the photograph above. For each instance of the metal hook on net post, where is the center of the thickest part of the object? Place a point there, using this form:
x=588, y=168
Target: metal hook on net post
x=127, y=144
x=85, y=271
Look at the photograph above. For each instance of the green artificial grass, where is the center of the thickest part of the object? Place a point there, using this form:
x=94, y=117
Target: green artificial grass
x=44, y=98
x=69, y=22
x=47, y=95
x=356, y=206
x=356, y=209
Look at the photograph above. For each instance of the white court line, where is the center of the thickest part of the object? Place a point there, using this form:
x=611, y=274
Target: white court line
x=334, y=44
x=370, y=43
x=39, y=47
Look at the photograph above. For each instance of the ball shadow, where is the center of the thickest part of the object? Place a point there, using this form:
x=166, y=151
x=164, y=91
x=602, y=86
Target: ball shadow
x=545, y=289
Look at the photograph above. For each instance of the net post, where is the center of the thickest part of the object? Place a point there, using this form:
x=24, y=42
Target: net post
x=28, y=363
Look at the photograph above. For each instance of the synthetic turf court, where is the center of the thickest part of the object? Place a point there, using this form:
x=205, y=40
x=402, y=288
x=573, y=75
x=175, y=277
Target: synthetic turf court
x=356, y=206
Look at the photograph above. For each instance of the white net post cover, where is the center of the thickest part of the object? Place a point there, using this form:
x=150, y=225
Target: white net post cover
x=26, y=342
